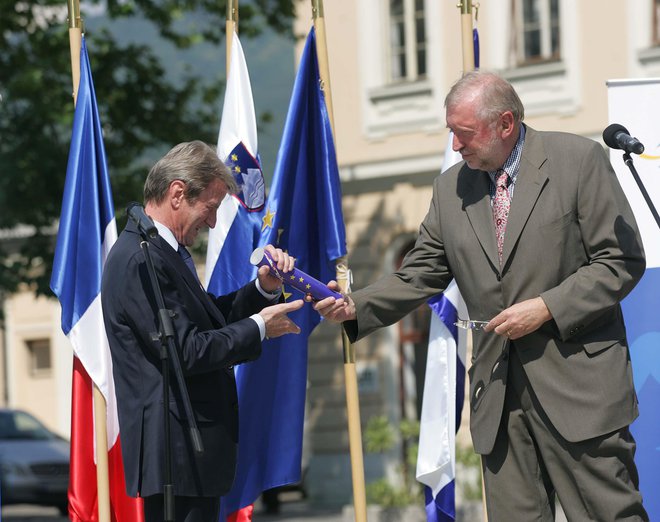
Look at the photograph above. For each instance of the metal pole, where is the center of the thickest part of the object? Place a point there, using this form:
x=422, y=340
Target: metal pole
x=231, y=26
x=466, y=34
x=75, y=42
x=350, y=373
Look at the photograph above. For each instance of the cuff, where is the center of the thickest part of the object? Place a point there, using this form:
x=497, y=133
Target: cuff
x=261, y=324
x=271, y=296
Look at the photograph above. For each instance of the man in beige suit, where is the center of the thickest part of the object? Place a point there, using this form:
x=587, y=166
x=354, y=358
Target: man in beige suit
x=541, y=240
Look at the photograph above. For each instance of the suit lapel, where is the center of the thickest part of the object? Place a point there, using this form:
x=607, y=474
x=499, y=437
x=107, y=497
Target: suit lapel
x=479, y=211
x=529, y=184
x=173, y=257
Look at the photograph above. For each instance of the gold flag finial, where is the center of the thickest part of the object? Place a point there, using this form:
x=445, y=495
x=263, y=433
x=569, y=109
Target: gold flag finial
x=317, y=9
x=465, y=6
x=74, y=20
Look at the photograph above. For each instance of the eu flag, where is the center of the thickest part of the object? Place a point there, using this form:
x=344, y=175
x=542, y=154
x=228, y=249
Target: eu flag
x=303, y=216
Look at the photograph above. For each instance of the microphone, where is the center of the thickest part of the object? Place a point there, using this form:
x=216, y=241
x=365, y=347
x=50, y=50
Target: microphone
x=144, y=223
x=617, y=137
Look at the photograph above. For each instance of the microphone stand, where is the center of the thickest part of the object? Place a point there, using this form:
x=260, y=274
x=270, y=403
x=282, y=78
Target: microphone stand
x=169, y=355
x=627, y=159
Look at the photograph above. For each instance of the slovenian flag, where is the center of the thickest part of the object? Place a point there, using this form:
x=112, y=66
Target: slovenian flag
x=238, y=225
x=444, y=389
x=87, y=230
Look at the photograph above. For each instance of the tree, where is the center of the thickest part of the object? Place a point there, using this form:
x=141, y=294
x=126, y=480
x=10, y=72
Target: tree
x=143, y=110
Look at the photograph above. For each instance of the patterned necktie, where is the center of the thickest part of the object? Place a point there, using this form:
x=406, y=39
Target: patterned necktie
x=501, y=205
x=187, y=259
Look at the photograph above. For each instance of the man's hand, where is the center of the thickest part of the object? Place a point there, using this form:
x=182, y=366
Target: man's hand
x=277, y=322
x=336, y=310
x=520, y=319
x=284, y=263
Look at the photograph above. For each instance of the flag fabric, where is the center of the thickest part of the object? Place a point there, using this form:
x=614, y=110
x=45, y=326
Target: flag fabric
x=444, y=389
x=87, y=230
x=633, y=103
x=238, y=223
x=303, y=216
x=444, y=384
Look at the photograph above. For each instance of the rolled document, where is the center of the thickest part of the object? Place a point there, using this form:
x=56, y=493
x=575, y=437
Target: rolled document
x=296, y=278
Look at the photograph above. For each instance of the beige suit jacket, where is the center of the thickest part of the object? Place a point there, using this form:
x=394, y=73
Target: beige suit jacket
x=572, y=239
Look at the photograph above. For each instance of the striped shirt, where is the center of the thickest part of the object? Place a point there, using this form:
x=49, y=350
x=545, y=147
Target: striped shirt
x=511, y=166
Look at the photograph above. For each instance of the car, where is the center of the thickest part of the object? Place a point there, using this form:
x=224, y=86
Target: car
x=34, y=462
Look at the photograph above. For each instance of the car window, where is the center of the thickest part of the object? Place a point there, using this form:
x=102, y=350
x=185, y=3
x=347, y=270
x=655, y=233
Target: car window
x=20, y=425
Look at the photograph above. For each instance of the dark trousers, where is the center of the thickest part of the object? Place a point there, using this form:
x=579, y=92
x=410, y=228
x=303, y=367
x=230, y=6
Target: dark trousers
x=186, y=509
x=595, y=479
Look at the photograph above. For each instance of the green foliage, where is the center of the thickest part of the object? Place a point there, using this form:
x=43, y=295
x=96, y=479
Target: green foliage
x=467, y=457
x=143, y=110
x=470, y=483
x=381, y=492
x=380, y=437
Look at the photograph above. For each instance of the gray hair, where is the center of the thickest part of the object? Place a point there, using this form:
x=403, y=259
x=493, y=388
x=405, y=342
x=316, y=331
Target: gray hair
x=195, y=163
x=495, y=95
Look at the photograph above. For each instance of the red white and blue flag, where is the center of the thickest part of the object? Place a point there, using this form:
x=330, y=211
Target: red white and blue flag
x=238, y=224
x=86, y=233
x=444, y=388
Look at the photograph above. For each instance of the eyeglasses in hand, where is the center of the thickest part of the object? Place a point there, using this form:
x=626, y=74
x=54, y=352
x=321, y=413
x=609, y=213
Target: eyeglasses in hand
x=467, y=324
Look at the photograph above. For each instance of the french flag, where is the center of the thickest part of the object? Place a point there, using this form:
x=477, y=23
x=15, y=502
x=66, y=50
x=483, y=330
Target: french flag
x=444, y=386
x=87, y=231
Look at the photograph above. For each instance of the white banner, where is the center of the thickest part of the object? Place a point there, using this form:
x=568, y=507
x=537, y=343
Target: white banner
x=635, y=104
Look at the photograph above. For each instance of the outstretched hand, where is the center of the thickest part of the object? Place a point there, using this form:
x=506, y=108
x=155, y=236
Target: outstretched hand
x=277, y=322
x=336, y=310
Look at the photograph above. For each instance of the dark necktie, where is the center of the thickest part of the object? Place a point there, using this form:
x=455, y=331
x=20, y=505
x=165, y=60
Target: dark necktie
x=501, y=205
x=188, y=260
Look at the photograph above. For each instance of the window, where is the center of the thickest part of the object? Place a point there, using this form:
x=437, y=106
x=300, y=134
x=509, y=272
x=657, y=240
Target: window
x=407, y=40
x=656, y=22
x=39, y=352
x=537, y=37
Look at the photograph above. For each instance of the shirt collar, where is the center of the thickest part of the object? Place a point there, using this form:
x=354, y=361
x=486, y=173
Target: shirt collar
x=512, y=164
x=167, y=235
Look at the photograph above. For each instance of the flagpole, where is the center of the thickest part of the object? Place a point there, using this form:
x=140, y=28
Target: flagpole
x=75, y=42
x=466, y=34
x=231, y=27
x=350, y=373
x=100, y=408
x=467, y=38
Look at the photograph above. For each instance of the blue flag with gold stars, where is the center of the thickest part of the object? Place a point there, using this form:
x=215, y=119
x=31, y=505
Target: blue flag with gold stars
x=302, y=216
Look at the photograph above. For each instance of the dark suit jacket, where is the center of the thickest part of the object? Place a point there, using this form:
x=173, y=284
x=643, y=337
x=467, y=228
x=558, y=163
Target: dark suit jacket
x=212, y=336
x=571, y=238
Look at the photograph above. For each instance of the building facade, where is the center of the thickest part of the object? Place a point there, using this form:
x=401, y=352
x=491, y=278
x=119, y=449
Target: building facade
x=391, y=64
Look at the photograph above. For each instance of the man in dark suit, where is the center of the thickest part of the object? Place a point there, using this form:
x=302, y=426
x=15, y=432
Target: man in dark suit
x=182, y=194
x=540, y=238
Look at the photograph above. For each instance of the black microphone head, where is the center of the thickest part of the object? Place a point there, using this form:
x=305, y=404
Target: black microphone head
x=609, y=135
x=131, y=205
x=145, y=224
